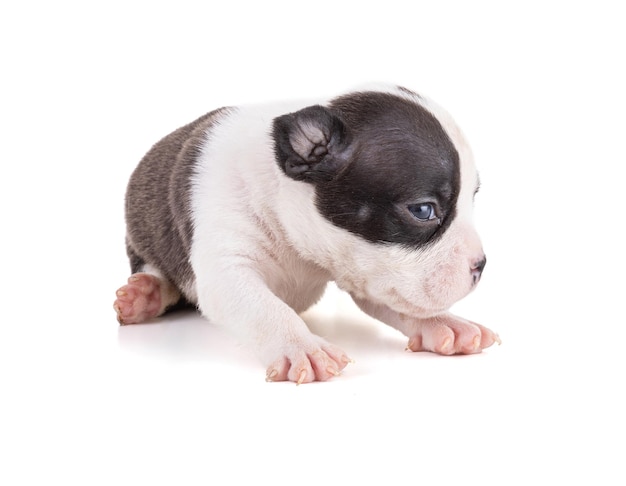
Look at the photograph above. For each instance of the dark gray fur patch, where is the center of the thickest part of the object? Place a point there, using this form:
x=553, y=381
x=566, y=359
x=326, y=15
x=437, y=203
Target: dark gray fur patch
x=158, y=214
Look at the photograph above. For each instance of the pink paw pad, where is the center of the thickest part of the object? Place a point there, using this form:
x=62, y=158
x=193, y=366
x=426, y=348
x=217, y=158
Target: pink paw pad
x=451, y=335
x=301, y=367
x=139, y=300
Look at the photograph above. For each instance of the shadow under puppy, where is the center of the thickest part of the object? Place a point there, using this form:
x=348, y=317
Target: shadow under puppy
x=248, y=213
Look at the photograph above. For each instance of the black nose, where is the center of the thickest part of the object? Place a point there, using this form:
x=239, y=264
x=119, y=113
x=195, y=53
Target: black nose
x=477, y=269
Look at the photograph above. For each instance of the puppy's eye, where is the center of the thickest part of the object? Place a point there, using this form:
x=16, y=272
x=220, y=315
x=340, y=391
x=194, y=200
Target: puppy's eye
x=423, y=212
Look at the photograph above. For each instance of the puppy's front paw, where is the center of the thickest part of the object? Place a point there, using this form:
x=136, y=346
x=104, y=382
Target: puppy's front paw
x=448, y=334
x=304, y=364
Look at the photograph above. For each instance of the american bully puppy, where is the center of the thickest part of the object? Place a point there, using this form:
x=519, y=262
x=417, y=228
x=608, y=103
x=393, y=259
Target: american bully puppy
x=248, y=212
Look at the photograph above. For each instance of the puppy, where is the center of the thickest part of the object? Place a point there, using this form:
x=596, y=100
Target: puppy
x=248, y=212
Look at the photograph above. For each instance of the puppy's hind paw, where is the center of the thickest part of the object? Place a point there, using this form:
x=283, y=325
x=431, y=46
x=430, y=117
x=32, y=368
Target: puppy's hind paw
x=138, y=300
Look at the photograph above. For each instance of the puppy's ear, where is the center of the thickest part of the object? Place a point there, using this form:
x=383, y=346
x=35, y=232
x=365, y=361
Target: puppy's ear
x=312, y=144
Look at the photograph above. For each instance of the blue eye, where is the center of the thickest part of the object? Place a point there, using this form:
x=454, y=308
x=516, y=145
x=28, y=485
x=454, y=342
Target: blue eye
x=423, y=212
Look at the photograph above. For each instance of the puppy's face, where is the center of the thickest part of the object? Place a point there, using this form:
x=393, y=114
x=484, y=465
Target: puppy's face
x=392, y=172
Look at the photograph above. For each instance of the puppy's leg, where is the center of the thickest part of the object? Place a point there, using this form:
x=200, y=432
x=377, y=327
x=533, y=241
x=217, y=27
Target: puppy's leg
x=444, y=334
x=237, y=297
x=146, y=295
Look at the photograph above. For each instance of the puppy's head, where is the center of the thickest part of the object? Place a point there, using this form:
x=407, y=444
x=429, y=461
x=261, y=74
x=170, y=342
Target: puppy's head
x=388, y=202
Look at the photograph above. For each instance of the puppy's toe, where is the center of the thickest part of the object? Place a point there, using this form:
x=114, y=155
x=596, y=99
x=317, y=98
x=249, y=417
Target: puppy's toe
x=449, y=334
x=138, y=300
x=303, y=365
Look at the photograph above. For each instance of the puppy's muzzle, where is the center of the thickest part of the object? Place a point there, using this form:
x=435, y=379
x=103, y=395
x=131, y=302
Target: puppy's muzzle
x=477, y=268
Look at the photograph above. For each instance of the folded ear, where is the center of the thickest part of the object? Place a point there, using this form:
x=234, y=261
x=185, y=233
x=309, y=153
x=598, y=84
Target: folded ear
x=312, y=144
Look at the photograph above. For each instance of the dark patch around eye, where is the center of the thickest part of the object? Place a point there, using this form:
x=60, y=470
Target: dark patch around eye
x=401, y=154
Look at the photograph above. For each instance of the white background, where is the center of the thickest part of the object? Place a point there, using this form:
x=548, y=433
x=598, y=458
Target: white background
x=88, y=87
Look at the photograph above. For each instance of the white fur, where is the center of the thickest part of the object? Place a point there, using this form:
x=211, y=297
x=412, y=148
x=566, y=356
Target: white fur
x=262, y=252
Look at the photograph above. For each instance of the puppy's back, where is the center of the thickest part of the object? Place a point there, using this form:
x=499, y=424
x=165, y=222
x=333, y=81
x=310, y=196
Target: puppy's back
x=158, y=220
